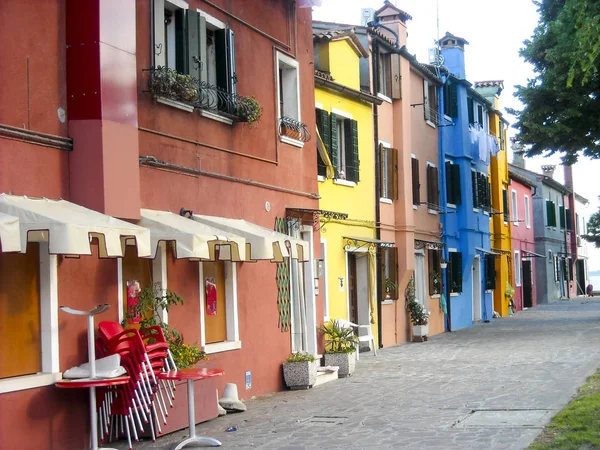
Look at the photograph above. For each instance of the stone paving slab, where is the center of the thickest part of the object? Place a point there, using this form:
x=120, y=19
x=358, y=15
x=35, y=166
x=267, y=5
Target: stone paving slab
x=416, y=395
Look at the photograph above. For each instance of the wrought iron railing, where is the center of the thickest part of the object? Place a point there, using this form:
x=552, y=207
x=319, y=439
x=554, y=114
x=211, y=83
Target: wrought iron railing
x=293, y=129
x=168, y=83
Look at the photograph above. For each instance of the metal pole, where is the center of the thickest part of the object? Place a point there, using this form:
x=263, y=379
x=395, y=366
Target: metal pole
x=93, y=418
x=191, y=408
x=91, y=348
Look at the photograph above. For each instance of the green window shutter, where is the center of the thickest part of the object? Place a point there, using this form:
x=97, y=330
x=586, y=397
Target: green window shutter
x=568, y=219
x=505, y=205
x=221, y=59
x=231, y=75
x=333, y=154
x=470, y=111
x=351, y=143
x=453, y=100
x=458, y=266
x=489, y=193
x=474, y=188
x=548, y=213
x=456, y=194
x=193, y=43
x=561, y=217
x=324, y=129
x=181, y=50
x=159, y=34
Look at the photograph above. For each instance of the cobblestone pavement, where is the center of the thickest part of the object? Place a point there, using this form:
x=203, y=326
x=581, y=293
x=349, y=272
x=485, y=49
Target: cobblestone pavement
x=493, y=386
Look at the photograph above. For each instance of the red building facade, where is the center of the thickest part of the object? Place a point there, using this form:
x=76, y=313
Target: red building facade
x=82, y=118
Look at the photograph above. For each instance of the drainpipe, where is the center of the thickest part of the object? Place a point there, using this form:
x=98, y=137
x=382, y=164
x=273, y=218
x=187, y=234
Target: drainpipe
x=374, y=65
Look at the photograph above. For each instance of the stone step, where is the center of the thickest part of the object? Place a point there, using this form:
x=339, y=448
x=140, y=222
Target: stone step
x=326, y=374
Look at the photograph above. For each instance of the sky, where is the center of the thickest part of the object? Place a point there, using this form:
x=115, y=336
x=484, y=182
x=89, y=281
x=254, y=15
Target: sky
x=495, y=32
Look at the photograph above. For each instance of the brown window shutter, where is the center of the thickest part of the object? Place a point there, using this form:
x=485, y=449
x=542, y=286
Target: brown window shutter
x=390, y=173
x=415, y=181
x=396, y=78
x=394, y=191
x=381, y=170
x=435, y=200
x=393, y=251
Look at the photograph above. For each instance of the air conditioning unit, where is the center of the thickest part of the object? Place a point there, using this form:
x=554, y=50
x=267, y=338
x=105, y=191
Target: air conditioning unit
x=435, y=57
x=366, y=15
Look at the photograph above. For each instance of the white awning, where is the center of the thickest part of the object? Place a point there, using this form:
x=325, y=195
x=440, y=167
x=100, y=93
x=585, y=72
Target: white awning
x=261, y=243
x=10, y=236
x=193, y=239
x=487, y=252
x=68, y=227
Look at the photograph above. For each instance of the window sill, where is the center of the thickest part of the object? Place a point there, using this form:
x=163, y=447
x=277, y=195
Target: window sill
x=218, y=118
x=344, y=182
x=219, y=347
x=174, y=104
x=475, y=210
x=415, y=206
x=430, y=123
x=321, y=178
x=290, y=141
x=516, y=224
x=384, y=97
x=388, y=301
x=455, y=294
x=451, y=205
x=432, y=211
x=386, y=200
x=28, y=382
x=485, y=213
x=435, y=296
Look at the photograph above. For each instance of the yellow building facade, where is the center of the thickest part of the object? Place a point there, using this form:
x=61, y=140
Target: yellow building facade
x=500, y=225
x=346, y=180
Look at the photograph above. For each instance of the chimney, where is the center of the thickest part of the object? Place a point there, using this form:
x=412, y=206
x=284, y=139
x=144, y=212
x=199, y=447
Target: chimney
x=568, y=171
x=389, y=16
x=453, y=51
x=548, y=170
x=518, y=155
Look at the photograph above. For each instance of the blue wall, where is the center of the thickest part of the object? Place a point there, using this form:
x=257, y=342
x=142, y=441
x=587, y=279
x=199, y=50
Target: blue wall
x=463, y=228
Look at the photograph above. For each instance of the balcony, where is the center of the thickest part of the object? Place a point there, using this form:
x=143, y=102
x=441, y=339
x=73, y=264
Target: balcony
x=183, y=89
x=294, y=130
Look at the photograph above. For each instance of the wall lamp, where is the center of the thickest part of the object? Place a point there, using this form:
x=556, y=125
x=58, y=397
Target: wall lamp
x=444, y=263
x=188, y=213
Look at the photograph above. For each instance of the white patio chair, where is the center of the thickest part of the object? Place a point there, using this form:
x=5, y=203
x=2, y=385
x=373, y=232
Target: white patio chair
x=367, y=337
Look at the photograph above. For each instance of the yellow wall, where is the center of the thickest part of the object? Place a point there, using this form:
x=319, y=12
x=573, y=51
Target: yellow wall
x=357, y=201
x=500, y=231
x=344, y=63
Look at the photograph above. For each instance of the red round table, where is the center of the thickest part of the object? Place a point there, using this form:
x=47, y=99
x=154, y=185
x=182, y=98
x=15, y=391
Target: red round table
x=92, y=384
x=190, y=375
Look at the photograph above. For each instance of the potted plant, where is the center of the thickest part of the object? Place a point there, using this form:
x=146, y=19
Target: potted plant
x=300, y=371
x=151, y=300
x=340, y=345
x=167, y=83
x=390, y=289
x=419, y=316
x=249, y=110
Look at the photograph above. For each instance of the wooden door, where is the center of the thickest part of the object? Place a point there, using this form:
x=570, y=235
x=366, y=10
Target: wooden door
x=527, y=285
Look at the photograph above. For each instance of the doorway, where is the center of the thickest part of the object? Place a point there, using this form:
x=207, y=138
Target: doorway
x=352, y=292
x=359, y=310
x=420, y=292
x=527, y=284
x=580, y=273
x=476, y=279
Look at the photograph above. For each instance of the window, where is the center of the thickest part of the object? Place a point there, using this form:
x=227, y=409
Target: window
x=455, y=272
x=577, y=223
x=451, y=100
x=430, y=102
x=453, y=194
x=434, y=257
x=416, y=186
x=218, y=306
x=527, y=213
x=344, y=147
x=388, y=176
x=433, y=192
x=194, y=43
x=389, y=269
x=515, y=207
x=568, y=220
x=471, y=110
x=570, y=269
x=480, y=118
x=482, y=190
x=517, y=269
x=505, y=205
x=502, y=136
x=561, y=217
x=324, y=127
x=490, y=272
x=550, y=213
x=288, y=92
x=556, y=269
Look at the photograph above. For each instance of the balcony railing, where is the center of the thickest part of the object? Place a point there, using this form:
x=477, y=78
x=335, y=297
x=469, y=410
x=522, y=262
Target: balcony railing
x=293, y=129
x=168, y=83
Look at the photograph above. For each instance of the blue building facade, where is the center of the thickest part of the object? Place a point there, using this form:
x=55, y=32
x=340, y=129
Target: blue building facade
x=464, y=152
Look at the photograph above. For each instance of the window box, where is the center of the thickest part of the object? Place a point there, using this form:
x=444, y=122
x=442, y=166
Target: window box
x=174, y=104
x=293, y=130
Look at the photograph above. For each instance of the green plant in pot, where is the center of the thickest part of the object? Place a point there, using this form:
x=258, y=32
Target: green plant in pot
x=390, y=289
x=300, y=371
x=340, y=345
x=249, y=110
x=165, y=82
x=151, y=300
x=419, y=316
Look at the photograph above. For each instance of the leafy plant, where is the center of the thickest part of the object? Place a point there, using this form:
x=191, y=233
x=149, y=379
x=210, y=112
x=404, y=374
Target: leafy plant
x=300, y=357
x=151, y=300
x=390, y=286
x=165, y=82
x=436, y=281
x=418, y=314
x=338, y=339
x=249, y=110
